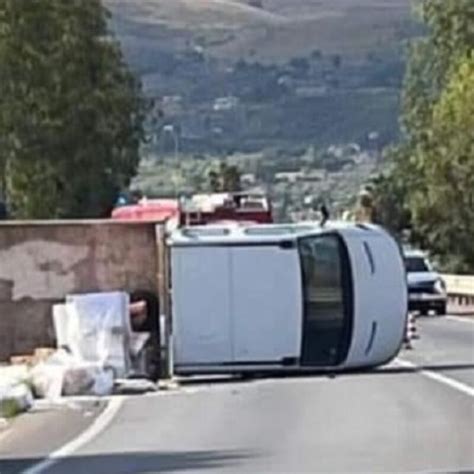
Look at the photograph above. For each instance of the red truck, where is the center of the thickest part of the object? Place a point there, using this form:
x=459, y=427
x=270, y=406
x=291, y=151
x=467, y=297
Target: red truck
x=201, y=209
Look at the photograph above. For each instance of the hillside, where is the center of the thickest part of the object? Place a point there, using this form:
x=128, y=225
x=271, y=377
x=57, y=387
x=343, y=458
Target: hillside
x=283, y=29
x=309, y=72
x=267, y=78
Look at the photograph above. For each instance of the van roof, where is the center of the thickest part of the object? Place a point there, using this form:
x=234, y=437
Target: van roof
x=237, y=232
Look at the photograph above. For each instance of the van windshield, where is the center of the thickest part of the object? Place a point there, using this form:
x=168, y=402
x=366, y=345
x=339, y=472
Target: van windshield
x=327, y=294
x=416, y=265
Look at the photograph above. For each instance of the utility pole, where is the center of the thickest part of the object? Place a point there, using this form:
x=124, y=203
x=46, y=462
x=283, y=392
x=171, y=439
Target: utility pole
x=170, y=129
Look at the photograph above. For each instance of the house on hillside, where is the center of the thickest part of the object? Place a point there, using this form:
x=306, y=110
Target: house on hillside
x=289, y=176
x=172, y=104
x=314, y=176
x=248, y=179
x=225, y=103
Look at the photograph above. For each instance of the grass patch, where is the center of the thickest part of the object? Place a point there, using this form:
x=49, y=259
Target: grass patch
x=9, y=408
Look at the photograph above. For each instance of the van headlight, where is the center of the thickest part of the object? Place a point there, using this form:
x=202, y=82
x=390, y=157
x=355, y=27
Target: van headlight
x=440, y=286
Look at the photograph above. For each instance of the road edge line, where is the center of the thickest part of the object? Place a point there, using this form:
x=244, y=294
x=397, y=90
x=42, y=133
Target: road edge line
x=97, y=427
x=461, y=319
x=459, y=386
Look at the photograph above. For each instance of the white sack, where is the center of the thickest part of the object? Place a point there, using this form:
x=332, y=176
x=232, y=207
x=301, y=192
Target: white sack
x=99, y=329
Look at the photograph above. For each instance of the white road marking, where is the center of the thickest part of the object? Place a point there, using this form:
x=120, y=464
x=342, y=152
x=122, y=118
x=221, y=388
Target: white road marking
x=463, y=319
x=99, y=425
x=455, y=384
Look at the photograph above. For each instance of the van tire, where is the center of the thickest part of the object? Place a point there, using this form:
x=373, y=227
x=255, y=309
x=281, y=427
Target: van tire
x=151, y=325
x=247, y=376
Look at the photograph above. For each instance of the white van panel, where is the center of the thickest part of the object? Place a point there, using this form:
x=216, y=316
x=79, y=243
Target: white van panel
x=266, y=303
x=380, y=299
x=237, y=299
x=201, y=305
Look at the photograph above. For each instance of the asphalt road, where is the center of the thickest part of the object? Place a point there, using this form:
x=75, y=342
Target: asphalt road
x=416, y=415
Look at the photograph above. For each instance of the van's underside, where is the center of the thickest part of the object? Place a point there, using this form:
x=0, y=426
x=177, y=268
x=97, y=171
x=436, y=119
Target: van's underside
x=264, y=368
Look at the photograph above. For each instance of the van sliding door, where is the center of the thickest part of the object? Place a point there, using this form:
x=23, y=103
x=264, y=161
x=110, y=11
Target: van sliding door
x=266, y=303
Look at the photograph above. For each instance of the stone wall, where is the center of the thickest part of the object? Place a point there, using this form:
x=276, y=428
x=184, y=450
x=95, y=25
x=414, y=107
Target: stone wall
x=42, y=262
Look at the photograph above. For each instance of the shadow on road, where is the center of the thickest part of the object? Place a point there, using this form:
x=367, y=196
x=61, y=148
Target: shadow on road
x=420, y=368
x=133, y=463
x=215, y=379
x=386, y=370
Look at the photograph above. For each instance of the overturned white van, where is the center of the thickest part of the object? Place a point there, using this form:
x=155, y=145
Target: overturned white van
x=285, y=297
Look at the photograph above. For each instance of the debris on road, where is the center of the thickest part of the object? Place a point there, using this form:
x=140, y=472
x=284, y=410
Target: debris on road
x=171, y=384
x=97, y=354
x=96, y=346
x=65, y=374
x=15, y=393
x=134, y=386
x=39, y=355
x=97, y=329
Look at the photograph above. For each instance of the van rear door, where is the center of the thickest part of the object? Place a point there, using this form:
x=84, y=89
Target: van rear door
x=201, y=301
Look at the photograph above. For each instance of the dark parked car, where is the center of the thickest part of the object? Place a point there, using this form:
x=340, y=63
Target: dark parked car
x=426, y=288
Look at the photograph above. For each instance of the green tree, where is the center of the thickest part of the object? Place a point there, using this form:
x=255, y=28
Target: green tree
x=389, y=201
x=431, y=179
x=230, y=178
x=432, y=61
x=430, y=64
x=225, y=179
x=214, y=181
x=433, y=58
x=444, y=209
x=70, y=111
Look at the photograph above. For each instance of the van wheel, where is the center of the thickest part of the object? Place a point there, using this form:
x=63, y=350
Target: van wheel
x=152, y=325
x=441, y=310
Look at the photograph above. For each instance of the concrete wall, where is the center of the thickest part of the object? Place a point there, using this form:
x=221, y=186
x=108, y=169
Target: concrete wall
x=41, y=262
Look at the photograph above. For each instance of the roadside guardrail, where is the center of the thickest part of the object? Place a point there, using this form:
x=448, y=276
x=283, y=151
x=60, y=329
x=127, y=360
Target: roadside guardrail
x=460, y=289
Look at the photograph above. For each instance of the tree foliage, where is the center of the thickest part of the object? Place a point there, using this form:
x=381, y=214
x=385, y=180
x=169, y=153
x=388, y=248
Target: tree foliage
x=433, y=58
x=225, y=179
x=70, y=111
x=443, y=209
x=389, y=191
x=430, y=187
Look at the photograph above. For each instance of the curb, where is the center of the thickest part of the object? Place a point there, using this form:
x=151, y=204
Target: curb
x=462, y=314
x=168, y=384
